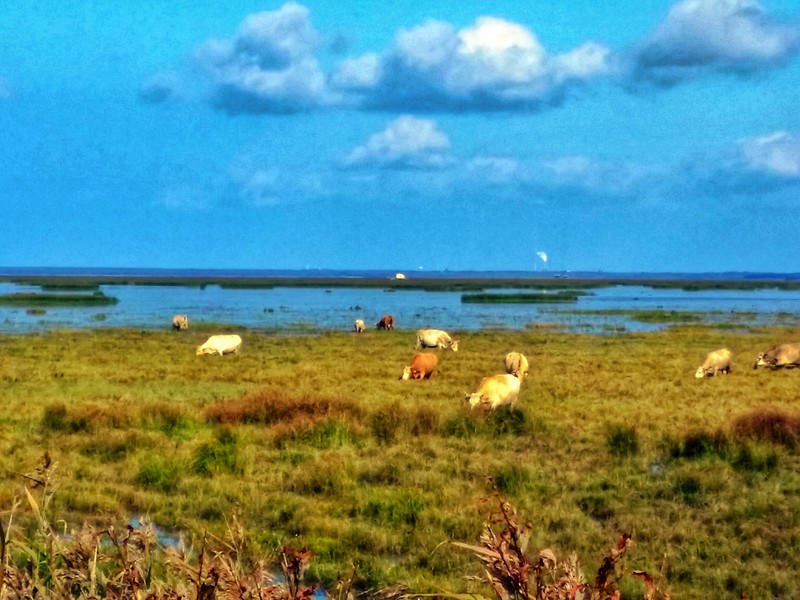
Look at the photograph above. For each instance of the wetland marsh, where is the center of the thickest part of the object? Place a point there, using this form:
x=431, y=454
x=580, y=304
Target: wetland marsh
x=314, y=441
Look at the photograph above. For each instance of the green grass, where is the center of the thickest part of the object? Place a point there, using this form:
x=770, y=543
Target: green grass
x=313, y=441
x=49, y=300
x=557, y=297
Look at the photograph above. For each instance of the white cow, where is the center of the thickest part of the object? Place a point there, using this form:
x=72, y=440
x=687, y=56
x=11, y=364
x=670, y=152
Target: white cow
x=358, y=325
x=435, y=338
x=495, y=391
x=180, y=322
x=718, y=361
x=221, y=344
x=517, y=365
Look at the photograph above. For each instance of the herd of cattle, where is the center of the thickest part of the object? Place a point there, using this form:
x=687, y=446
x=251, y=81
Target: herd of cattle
x=501, y=389
x=781, y=356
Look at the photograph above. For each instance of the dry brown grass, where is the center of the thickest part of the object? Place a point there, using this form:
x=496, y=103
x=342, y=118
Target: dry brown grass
x=769, y=425
x=270, y=406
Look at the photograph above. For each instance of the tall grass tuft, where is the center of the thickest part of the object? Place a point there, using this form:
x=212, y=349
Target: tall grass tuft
x=159, y=473
x=698, y=444
x=269, y=406
x=508, y=422
x=221, y=455
x=769, y=425
x=622, y=441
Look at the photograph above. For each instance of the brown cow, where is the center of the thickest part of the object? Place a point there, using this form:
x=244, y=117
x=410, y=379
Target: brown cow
x=421, y=366
x=386, y=322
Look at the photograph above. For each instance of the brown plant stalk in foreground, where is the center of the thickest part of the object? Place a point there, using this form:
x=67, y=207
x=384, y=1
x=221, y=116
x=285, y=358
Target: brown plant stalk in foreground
x=514, y=576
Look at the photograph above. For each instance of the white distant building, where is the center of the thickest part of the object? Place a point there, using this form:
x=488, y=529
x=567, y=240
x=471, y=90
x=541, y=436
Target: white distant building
x=399, y=276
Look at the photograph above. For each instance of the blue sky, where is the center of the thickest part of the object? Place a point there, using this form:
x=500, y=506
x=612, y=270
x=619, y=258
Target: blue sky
x=615, y=136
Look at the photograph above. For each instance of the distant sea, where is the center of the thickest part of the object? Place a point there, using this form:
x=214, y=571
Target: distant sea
x=378, y=273
x=605, y=309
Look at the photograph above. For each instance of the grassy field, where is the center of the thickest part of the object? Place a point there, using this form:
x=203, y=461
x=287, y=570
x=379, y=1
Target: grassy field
x=312, y=440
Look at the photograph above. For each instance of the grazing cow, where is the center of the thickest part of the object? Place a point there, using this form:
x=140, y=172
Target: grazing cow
x=784, y=355
x=495, y=391
x=180, y=322
x=358, y=325
x=517, y=365
x=718, y=361
x=435, y=338
x=421, y=366
x=386, y=322
x=221, y=344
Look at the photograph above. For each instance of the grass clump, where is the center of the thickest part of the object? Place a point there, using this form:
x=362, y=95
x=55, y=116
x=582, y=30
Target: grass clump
x=221, y=455
x=56, y=418
x=622, y=441
x=159, y=473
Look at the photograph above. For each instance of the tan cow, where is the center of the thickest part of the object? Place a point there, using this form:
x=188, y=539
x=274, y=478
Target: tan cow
x=435, y=338
x=180, y=322
x=221, y=344
x=495, y=391
x=358, y=325
x=421, y=366
x=517, y=365
x=783, y=355
x=718, y=361
x=386, y=322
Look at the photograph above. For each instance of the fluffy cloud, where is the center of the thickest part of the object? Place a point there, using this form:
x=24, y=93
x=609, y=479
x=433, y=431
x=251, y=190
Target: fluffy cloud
x=406, y=143
x=702, y=36
x=269, y=66
x=493, y=64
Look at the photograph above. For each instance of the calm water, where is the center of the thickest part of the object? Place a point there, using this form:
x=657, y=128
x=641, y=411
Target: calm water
x=311, y=309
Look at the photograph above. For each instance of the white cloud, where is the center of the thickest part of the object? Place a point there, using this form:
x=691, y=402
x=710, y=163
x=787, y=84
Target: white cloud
x=268, y=66
x=699, y=36
x=776, y=154
x=406, y=143
x=492, y=64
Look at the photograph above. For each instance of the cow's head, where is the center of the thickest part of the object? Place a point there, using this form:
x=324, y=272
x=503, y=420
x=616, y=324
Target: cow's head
x=406, y=373
x=762, y=360
x=701, y=372
x=473, y=399
x=454, y=345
